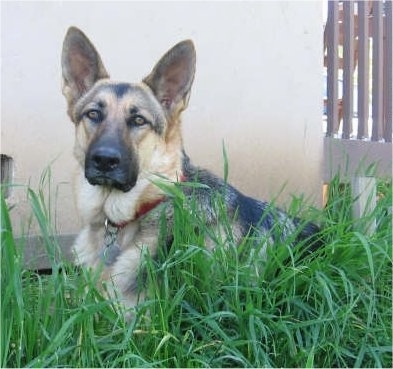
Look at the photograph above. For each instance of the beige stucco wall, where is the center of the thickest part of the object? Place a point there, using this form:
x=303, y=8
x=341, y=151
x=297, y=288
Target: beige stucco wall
x=258, y=87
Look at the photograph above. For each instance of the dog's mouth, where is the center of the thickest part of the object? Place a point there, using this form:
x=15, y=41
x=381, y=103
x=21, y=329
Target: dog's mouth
x=108, y=182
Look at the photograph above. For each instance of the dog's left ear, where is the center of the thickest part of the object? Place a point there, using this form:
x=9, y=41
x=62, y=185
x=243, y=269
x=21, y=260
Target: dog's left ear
x=81, y=64
x=172, y=77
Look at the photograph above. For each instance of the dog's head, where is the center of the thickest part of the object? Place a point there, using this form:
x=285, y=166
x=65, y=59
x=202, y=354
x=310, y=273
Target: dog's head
x=120, y=126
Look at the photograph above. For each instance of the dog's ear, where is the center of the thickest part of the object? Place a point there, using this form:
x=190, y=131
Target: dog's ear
x=172, y=77
x=81, y=65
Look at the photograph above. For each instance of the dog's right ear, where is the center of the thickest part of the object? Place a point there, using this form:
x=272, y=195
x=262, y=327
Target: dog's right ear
x=172, y=77
x=81, y=64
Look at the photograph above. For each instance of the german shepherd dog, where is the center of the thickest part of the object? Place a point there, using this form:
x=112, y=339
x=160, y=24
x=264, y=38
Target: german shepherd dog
x=127, y=136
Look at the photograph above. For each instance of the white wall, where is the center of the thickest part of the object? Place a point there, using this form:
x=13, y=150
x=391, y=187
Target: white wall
x=258, y=87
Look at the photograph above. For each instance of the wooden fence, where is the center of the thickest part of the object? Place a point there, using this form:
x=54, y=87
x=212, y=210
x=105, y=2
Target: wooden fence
x=358, y=52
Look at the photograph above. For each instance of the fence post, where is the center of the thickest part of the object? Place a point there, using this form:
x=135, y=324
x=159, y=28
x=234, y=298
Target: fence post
x=364, y=192
x=332, y=69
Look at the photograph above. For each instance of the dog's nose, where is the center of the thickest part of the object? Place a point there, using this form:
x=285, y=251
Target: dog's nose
x=106, y=159
x=111, y=163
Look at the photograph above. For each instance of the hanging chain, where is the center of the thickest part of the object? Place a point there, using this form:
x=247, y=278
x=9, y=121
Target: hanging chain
x=111, y=248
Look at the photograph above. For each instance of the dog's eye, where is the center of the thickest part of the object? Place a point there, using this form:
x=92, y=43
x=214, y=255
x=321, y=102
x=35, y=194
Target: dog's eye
x=93, y=115
x=137, y=120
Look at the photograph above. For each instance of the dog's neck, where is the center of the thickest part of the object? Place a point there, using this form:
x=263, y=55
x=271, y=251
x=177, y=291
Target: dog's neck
x=142, y=209
x=111, y=247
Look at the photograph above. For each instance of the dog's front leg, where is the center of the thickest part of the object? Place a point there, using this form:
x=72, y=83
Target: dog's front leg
x=125, y=271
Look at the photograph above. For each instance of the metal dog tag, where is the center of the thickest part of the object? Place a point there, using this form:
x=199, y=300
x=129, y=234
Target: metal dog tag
x=111, y=249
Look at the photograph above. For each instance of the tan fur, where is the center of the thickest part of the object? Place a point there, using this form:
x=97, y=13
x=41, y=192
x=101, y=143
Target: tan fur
x=96, y=203
x=160, y=99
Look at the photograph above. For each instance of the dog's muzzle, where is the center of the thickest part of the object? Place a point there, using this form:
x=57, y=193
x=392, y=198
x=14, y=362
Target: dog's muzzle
x=111, y=166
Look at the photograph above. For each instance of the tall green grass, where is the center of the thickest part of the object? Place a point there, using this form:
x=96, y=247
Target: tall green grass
x=223, y=308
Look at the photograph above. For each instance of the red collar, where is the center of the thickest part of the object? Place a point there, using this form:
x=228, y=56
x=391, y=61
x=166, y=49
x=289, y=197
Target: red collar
x=145, y=208
x=142, y=210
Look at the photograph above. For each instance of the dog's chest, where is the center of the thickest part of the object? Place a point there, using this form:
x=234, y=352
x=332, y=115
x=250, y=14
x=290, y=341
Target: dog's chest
x=116, y=240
